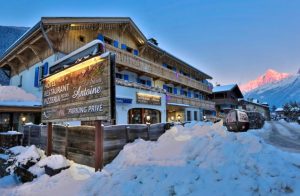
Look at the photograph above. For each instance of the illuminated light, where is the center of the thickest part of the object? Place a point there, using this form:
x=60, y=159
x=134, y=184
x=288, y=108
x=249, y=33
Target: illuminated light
x=148, y=118
x=77, y=67
x=178, y=117
x=172, y=118
x=23, y=119
x=74, y=25
x=148, y=95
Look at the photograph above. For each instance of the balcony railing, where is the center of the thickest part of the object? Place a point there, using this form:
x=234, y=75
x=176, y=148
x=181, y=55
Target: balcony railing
x=142, y=65
x=208, y=105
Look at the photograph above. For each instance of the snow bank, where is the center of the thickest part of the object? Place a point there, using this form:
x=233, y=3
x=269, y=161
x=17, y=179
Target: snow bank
x=200, y=159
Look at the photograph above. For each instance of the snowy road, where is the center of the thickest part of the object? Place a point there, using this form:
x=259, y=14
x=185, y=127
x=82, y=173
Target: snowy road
x=283, y=135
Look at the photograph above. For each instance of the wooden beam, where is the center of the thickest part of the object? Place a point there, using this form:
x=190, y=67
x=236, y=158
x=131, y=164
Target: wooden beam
x=35, y=51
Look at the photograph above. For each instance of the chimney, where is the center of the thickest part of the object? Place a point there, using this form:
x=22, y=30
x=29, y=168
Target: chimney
x=153, y=41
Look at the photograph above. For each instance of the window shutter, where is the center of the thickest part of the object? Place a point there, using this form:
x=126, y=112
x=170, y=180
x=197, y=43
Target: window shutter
x=36, y=77
x=126, y=77
x=123, y=46
x=181, y=92
x=165, y=87
x=100, y=37
x=136, y=52
x=46, y=67
x=175, y=91
x=116, y=44
x=189, y=94
x=148, y=82
x=138, y=80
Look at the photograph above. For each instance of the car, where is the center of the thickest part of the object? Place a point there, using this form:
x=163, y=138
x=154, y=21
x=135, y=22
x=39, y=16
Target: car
x=237, y=121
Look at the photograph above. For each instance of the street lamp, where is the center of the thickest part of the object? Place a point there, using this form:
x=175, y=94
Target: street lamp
x=23, y=119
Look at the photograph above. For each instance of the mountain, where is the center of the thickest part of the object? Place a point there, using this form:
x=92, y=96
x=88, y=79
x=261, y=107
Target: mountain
x=270, y=76
x=278, y=93
x=8, y=35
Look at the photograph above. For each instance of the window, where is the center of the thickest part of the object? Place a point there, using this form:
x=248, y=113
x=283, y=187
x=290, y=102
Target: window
x=141, y=81
x=108, y=40
x=188, y=116
x=195, y=115
x=119, y=76
x=143, y=116
x=169, y=89
x=128, y=49
x=81, y=38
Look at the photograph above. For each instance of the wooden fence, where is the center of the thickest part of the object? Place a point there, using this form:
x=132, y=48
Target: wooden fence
x=78, y=143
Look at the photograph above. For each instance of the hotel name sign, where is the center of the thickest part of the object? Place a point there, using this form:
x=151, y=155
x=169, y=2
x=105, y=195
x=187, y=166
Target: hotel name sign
x=149, y=99
x=79, y=93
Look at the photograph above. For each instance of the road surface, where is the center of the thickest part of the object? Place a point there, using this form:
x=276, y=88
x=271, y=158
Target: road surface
x=284, y=135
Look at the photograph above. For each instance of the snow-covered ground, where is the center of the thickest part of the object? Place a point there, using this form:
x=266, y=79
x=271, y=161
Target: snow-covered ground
x=201, y=159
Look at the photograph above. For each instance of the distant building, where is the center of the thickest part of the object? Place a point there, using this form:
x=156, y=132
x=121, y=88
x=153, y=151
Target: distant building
x=226, y=98
x=279, y=112
x=254, y=105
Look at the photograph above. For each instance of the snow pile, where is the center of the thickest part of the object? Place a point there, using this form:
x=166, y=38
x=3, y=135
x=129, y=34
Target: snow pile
x=12, y=95
x=200, y=159
x=18, y=149
x=54, y=162
x=30, y=154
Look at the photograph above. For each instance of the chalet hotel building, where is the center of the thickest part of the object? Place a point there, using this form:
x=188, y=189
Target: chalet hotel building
x=179, y=92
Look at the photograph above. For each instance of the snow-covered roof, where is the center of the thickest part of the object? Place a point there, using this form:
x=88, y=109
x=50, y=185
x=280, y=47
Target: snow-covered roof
x=15, y=96
x=223, y=88
x=279, y=110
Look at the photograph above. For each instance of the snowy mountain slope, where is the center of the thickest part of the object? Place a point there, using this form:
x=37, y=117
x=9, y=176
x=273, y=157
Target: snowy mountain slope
x=269, y=77
x=8, y=35
x=278, y=93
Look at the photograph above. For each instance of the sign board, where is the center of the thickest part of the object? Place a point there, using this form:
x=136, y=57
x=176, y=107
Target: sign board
x=82, y=92
x=143, y=98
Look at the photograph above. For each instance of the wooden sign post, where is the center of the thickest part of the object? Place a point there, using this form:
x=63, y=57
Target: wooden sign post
x=98, y=145
x=84, y=91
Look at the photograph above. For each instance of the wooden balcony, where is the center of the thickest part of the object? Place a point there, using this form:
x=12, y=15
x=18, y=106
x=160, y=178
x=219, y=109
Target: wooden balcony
x=155, y=70
x=208, y=105
x=226, y=101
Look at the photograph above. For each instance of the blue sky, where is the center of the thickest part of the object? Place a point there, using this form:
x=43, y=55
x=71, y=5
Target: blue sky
x=233, y=40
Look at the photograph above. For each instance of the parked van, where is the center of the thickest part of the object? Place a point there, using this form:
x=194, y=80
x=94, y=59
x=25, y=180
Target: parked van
x=256, y=120
x=237, y=121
